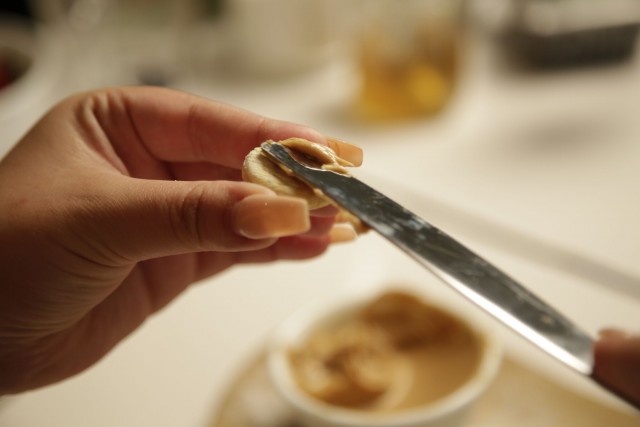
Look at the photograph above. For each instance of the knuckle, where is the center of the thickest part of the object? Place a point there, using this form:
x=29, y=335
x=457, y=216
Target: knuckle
x=187, y=217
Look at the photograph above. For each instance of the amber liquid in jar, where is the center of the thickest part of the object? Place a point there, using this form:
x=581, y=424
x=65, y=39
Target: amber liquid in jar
x=407, y=75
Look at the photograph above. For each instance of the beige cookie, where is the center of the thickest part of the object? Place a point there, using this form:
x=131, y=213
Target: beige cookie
x=260, y=169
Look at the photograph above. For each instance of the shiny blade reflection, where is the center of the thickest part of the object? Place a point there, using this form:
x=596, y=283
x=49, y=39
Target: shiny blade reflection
x=459, y=267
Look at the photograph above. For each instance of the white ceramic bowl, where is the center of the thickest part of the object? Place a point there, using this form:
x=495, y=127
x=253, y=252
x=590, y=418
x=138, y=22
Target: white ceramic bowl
x=448, y=411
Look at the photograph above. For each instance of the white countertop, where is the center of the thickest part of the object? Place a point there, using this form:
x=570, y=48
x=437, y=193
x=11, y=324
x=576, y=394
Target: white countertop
x=539, y=173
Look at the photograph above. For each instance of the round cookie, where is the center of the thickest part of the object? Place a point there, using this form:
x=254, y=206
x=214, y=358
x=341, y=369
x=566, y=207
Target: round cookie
x=260, y=169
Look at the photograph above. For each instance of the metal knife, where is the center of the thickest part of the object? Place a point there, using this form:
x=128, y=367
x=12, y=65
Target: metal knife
x=459, y=267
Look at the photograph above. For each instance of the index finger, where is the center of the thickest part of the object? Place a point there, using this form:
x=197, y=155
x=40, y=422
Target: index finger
x=174, y=126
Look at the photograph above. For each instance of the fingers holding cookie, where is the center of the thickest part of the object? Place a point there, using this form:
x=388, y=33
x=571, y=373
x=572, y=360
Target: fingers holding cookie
x=335, y=155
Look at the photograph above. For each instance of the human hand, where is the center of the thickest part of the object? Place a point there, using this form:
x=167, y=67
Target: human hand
x=113, y=204
x=617, y=363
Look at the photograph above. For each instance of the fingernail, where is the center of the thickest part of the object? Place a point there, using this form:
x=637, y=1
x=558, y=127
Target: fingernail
x=349, y=152
x=326, y=211
x=341, y=233
x=265, y=216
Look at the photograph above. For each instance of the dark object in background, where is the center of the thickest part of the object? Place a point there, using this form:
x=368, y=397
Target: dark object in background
x=565, y=33
x=14, y=63
x=16, y=7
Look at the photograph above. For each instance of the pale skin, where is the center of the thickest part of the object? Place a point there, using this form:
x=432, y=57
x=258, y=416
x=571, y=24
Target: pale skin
x=117, y=200
x=114, y=203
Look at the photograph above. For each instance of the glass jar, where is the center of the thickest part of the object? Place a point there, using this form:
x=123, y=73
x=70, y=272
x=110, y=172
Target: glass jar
x=408, y=57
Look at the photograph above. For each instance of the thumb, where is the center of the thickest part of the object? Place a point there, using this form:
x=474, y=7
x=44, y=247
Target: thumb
x=146, y=218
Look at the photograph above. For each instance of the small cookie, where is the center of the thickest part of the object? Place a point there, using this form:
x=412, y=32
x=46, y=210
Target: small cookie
x=260, y=169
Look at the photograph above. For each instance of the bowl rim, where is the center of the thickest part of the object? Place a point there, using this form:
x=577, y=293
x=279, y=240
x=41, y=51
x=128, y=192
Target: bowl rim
x=299, y=324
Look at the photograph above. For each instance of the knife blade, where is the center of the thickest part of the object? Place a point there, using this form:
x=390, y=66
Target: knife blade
x=456, y=265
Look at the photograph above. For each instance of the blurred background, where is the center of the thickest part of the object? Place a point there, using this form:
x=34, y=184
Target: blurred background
x=511, y=124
